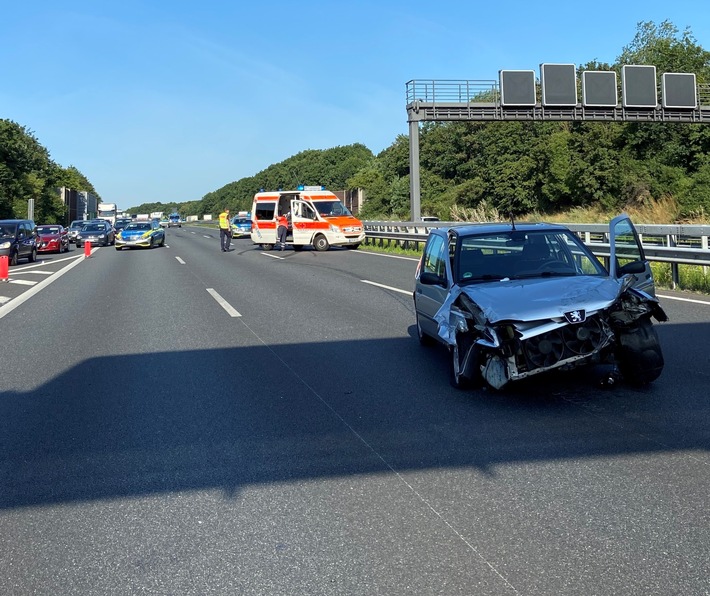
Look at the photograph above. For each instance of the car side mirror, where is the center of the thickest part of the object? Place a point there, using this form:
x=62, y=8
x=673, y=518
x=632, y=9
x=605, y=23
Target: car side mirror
x=632, y=267
x=432, y=279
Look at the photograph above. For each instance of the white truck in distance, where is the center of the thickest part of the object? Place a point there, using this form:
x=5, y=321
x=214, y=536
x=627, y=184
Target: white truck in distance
x=108, y=211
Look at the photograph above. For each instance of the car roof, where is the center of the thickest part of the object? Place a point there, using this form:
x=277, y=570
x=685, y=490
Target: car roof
x=472, y=229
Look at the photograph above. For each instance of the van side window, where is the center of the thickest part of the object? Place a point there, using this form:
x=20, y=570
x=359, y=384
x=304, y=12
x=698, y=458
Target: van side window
x=265, y=210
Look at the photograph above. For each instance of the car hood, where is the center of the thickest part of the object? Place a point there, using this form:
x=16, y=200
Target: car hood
x=542, y=298
x=134, y=233
x=49, y=236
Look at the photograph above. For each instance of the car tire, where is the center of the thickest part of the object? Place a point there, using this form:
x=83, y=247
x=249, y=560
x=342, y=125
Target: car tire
x=321, y=243
x=152, y=244
x=639, y=354
x=13, y=258
x=32, y=256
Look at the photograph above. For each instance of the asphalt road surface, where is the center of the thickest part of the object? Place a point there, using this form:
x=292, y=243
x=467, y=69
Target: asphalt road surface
x=186, y=421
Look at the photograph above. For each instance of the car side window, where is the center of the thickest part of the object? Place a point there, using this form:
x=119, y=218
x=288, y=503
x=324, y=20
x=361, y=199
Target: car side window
x=435, y=256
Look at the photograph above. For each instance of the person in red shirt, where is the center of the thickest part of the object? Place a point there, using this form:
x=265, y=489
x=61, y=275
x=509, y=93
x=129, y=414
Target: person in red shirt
x=281, y=230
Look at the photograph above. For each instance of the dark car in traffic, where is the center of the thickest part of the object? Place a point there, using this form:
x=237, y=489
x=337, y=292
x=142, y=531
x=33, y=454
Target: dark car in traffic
x=18, y=240
x=97, y=232
x=121, y=223
x=52, y=238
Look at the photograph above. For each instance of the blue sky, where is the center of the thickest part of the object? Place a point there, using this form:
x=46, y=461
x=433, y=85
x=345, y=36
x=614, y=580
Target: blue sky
x=169, y=100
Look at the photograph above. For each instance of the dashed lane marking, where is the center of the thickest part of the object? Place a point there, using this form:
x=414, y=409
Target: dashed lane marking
x=223, y=303
x=372, y=283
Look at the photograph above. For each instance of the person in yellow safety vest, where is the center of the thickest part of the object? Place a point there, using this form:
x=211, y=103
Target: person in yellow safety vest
x=282, y=230
x=225, y=230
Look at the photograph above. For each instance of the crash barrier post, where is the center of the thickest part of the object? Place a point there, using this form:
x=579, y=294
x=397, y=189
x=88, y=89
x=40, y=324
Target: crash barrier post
x=87, y=249
x=4, y=268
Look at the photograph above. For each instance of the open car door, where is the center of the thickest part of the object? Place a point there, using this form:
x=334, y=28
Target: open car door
x=627, y=256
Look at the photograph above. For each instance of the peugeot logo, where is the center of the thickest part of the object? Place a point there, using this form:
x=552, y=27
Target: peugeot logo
x=576, y=316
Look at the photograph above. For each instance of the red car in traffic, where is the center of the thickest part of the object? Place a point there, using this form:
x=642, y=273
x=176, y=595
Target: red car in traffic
x=52, y=238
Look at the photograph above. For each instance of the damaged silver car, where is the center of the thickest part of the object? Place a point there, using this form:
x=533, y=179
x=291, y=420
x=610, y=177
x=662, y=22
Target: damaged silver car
x=515, y=300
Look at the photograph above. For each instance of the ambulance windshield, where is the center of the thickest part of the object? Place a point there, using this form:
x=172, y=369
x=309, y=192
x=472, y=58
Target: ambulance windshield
x=331, y=208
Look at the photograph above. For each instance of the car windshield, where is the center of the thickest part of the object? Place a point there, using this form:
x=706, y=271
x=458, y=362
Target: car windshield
x=93, y=227
x=138, y=226
x=331, y=208
x=77, y=225
x=7, y=230
x=48, y=230
x=516, y=254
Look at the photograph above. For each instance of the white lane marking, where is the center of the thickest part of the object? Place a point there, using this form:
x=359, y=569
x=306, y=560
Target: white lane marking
x=206, y=236
x=23, y=282
x=223, y=303
x=266, y=254
x=13, y=304
x=372, y=283
x=35, y=272
x=705, y=302
x=179, y=260
x=4, y=299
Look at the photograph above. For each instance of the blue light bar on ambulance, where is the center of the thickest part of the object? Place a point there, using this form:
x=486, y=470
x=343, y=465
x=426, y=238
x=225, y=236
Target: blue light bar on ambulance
x=301, y=187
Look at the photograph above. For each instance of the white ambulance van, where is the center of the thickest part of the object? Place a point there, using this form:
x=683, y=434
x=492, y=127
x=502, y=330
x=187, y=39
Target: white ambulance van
x=316, y=216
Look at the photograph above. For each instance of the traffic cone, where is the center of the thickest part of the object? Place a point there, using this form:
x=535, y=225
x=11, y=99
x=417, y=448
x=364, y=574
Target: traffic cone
x=87, y=249
x=4, y=268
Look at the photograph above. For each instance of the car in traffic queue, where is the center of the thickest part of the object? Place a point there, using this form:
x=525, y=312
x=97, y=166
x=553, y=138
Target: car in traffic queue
x=241, y=224
x=74, y=228
x=510, y=301
x=18, y=240
x=96, y=232
x=121, y=223
x=174, y=220
x=52, y=238
x=141, y=234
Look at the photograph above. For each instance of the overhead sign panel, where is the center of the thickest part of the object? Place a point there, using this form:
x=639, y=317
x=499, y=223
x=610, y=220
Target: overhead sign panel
x=517, y=87
x=639, y=87
x=679, y=90
x=599, y=89
x=559, y=84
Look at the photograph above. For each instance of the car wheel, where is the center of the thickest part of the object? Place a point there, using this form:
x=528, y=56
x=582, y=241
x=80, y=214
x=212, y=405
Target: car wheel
x=424, y=339
x=639, y=354
x=32, y=256
x=151, y=245
x=267, y=246
x=321, y=243
x=162, y=241
x=13, y=258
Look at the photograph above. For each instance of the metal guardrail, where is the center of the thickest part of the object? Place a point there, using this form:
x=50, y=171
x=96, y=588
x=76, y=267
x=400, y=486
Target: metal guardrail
x=674, y=244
